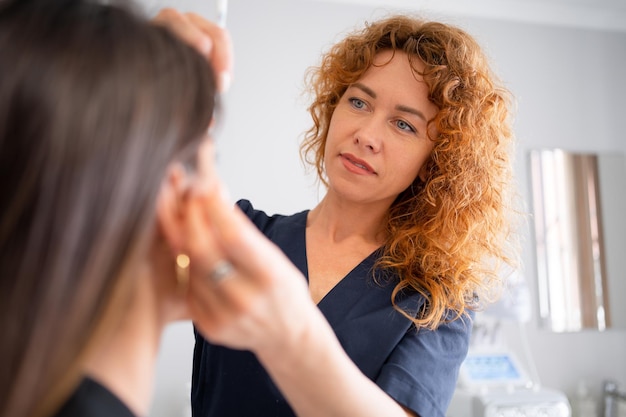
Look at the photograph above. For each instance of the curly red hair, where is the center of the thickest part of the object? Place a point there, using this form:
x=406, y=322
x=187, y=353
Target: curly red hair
x=447, y=235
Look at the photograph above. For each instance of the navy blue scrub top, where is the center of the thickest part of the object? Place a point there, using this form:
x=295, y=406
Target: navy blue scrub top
x=418, y=368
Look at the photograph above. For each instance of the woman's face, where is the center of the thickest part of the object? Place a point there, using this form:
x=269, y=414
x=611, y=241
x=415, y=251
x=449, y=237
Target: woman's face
x=377, y=139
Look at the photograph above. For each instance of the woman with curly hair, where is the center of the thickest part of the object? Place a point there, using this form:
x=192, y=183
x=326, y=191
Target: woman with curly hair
x=411, y=137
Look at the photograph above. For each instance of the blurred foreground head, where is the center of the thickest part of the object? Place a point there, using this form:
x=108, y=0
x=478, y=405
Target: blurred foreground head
x=95, y=103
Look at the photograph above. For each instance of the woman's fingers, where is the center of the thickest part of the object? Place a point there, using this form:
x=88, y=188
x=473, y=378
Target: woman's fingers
x=220, y=297
x=209, y=39
x=221, y=55
x=242, y=242
x=262, y=298
x=181, y=26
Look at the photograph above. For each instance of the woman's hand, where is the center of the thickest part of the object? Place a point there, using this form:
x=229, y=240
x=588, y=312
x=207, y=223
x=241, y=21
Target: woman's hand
x=207, y=37
x=261, y=303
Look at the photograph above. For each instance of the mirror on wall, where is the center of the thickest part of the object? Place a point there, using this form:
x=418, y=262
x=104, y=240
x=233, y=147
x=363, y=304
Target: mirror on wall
x=578, y=203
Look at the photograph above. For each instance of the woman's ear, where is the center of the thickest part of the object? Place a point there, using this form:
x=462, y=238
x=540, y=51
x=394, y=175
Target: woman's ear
x=171, y=206
x=423, y=173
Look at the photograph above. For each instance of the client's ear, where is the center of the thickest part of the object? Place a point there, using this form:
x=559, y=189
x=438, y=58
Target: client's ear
x=172, y=206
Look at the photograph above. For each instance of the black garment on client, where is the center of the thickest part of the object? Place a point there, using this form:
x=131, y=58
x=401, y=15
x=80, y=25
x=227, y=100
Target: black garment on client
x=93, y=400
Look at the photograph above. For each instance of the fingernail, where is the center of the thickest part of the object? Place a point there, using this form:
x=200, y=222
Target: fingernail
x=224, y=81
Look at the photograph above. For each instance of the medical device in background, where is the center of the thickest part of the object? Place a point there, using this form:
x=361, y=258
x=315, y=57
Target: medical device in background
x=614, y=400
x=494, y=384
x=493, y=381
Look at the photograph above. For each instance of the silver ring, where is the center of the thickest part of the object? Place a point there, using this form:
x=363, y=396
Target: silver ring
x=221, y=271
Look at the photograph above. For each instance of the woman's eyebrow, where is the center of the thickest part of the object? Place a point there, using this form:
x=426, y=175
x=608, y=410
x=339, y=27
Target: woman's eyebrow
x=365, y=89
x=411, y=110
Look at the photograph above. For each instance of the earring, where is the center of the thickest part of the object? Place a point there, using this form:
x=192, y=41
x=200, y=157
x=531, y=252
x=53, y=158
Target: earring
x=182, y=272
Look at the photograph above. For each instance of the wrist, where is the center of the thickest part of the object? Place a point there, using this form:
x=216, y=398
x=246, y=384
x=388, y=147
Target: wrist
x=307, y=341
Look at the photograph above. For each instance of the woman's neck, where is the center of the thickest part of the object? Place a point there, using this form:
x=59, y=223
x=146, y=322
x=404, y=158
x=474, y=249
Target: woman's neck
x=338, y=220
x=125, y=362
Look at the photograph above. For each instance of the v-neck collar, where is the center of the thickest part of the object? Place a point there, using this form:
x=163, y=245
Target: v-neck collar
x=349, y=289
x=357, y=293
x=357, y=273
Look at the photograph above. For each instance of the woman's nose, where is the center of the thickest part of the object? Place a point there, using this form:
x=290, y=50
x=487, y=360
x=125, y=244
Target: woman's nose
x=370, y=135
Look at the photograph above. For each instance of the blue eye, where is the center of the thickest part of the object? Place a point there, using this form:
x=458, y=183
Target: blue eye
x=357, y=103
x=404, y=126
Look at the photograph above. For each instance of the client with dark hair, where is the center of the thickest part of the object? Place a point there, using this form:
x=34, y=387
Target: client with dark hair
x=98, y=109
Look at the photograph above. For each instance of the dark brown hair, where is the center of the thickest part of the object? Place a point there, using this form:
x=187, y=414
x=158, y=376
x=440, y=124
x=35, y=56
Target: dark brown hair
x=95, y=102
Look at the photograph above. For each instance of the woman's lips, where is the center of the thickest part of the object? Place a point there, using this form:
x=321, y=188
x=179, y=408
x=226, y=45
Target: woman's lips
x=356, y=165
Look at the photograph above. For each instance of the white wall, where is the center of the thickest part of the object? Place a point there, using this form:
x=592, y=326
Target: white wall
x=570, y=89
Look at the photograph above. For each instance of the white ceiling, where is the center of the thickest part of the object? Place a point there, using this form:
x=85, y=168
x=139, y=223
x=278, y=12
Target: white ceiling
x=607, y=15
